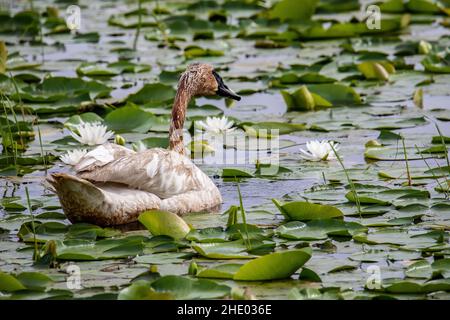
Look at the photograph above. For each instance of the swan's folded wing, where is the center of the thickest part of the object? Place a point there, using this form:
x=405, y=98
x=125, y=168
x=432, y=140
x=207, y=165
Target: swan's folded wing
x=162, y=172
x=101, y=156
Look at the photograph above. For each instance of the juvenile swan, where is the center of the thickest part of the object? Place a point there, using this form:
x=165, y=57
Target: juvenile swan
x=113, y=184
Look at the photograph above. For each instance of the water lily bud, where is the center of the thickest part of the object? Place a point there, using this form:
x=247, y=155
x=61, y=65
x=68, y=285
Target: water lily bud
x=418, y=98
x=119, y=140
x=153, y=269
x=373, y=144
x=305, y=99
x=193, y=268
x=380, y=72
x=424, y=47
x=241, y=294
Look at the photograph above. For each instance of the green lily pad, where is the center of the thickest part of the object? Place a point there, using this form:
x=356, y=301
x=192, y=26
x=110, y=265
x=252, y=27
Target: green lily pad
x=223, y=250
x=84, y=250
x=318, y=229
x=130, y=119
x=238, y=173
x=426, y=270
x=273, y=266
x=277, y=265
x=153, y=94
x=164, y=223
x=290, y=10
x=9, y=283
x=300, y=210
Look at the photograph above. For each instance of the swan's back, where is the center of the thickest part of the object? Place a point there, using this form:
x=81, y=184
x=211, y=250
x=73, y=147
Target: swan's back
x=162, y=172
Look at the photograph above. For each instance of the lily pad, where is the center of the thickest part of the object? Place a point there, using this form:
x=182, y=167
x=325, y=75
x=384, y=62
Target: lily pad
x=164, y=223
x=300, y=210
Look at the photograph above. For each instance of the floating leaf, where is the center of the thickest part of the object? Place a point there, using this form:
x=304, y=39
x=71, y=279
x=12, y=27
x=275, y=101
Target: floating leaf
x=319, y=229
x=273, y=266
x=223, y=250
x=423, y=269
x=379, y=70
x=153, y=94
x=221, y=271
x=320, y=95
x=164, y=223
x=238, y=173
x=290, y=10
x=98, y=250
x=187, y=289
x=277, y=265
x=129, y=119
x=300, y=210
x=9, y=283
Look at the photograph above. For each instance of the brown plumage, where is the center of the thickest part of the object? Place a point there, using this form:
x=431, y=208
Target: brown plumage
x=113, y=184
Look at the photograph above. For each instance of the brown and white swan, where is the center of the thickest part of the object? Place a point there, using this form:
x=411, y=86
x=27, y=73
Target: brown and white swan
x=114, y=184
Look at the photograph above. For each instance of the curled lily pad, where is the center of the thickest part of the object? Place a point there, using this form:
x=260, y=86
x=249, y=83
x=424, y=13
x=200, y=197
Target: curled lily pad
x=273, y=266
x=321, y=95
x=164, y=223
x=221, y=271
x=9, y=283
x=277, y=265
x=301, y=210
x=378, y=70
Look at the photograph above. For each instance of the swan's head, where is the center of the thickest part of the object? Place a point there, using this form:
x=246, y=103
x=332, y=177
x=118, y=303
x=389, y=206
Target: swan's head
x=200, y=79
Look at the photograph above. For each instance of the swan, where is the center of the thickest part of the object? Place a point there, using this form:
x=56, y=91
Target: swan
x=112, y=184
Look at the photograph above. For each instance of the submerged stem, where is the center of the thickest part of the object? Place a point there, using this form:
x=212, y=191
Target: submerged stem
x=408, y=173
x=36, y=248
x=443, y=144
x=431, y=170
x=244, y=219
x=138, y=30
x=350, y=181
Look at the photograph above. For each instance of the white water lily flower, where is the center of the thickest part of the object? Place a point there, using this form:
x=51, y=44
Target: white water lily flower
x=73, y=157
x=216, y=125
x=319, y=150
x=92, y=133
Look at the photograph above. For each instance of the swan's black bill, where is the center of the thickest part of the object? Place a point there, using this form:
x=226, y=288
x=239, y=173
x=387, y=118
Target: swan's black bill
x=223, y=90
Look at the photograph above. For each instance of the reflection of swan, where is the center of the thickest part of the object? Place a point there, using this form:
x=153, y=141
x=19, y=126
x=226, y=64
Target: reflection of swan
x=114, y=184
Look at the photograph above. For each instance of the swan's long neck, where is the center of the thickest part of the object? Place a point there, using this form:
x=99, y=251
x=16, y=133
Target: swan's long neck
x=180, y=104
